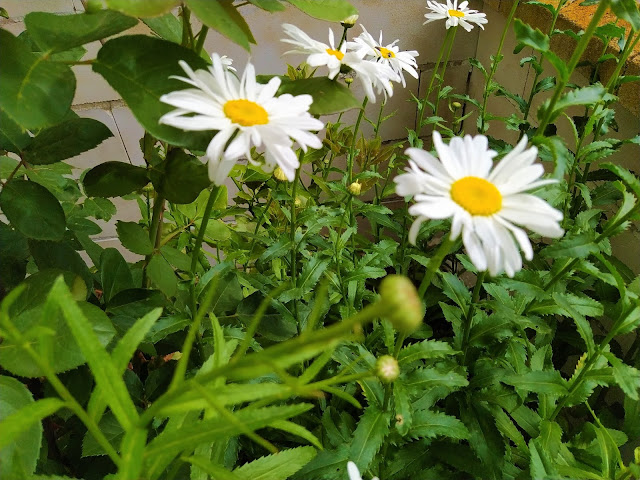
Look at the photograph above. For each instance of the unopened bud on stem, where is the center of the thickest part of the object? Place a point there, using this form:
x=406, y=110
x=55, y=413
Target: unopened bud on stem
x=355, y=188
x=349, y=21
x=279, y=174
x=401, y=303
x=387, y=368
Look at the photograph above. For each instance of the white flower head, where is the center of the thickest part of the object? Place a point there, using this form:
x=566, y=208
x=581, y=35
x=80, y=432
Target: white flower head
x=455, y=14
x=354, y=473
x=485, y=203
x=390, y=54
x=246, y=114
x=373, y=75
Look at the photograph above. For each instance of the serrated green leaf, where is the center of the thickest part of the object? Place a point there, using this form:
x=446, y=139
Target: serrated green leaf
x=424, y=350
x=529, y=37
x=162, y=275
x=298, y=431
x=626, y=376
x=65, y=140
x=115, y=275
x=368, y=437
x=548, y=382
x=133, y=237
x=183, y=177
x=57, y=33
x=572, y=246
x=430, y=424
x=279, y=466
x=583, y=326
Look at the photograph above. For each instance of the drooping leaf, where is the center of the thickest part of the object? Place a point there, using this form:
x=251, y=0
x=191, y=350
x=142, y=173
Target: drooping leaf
x=65, y=140
x=18, y=458
x=223, y=17
x=33, y=210
x=36, y=92
x=142, y=8
x=627, y=377
x=114, y=179
x=529, y=37
x=139, y=68
x=330, y=10
x=57, y=33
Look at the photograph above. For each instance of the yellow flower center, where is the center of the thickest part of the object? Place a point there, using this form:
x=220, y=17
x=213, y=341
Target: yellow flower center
x=245, y=113
x=456, y=13
x=477, y=196
x=336, y=53
x=386, y=53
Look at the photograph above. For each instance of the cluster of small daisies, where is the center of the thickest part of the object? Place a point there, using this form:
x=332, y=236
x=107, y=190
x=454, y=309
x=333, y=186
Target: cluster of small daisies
x=485, y=204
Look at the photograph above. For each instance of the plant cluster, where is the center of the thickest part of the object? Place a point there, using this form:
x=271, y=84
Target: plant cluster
x=481, y=328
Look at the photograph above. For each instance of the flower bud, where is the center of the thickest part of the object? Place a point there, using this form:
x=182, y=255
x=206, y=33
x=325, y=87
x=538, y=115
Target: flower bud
x=279, y=174
x=355, y=188
x=401, y=303
x=297, y=202
x=349, y=21
x=387, y=368
x=348, y=80
x=636, y=454
x=456, y=105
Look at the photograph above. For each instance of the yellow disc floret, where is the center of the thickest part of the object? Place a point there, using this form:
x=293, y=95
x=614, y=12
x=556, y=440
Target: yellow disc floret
x=245, y=113
x=477, y=196
x=386, y=53
x=336, y=53
x=456, y=13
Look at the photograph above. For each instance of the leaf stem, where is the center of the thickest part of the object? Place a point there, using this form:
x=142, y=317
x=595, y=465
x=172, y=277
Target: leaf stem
x=434, y=264
x=292, y=236
x=195, y=254
x=468, y=320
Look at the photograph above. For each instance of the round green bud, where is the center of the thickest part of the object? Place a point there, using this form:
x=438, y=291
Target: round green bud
x=355, y=188
x=456, y=105
x=349, y=21
x=401, y=303
x=387, y=368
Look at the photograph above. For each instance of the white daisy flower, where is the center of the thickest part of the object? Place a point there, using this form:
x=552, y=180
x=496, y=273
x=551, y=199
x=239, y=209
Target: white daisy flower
x=246, y=114
x=354, y=473
x=373, y=75
x=389, y=54
x=455, y=14
x=485, y=204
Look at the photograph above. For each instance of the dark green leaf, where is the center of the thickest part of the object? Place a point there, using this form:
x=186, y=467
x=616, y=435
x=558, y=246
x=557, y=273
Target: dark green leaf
x=33, y=210
x=424, y=350
x=111, y=429
x=115, y=275
x=114, y=179
x=330, y=10
x=57, y=33
x=183, y=179
x=138, y=67
x=20, y=457
x=36, y=92
x=162, y=275
x=66, y=140
x=572, y=246
x=279, y=466
x=582, y=324
x=12, y=137
x=223, y=17
x=626, y=376
x=135, y=302
x=61, y=256
x=14, y=254
x=168, y=26
x=133, y=237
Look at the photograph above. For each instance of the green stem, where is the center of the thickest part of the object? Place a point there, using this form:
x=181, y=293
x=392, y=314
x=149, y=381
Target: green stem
x=532, y=93
x=155, y=232
x=195, y=254
x=434, y=264
x=573, y=63
x=468, y=320
x=202, y=36
x=494, y=66
x=423, y=104
x=294, y=226
x=444, y=69
x=186, y=26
